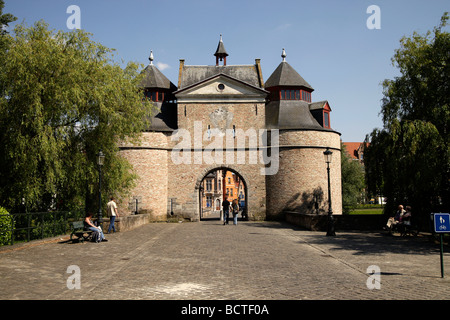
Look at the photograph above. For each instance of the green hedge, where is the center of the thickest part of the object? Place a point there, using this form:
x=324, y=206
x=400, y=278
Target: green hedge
x=6, y=227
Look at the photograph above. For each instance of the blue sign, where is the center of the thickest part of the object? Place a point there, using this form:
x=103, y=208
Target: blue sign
x=442, y=222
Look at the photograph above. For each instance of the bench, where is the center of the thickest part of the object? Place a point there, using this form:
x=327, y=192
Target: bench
x=78, y=232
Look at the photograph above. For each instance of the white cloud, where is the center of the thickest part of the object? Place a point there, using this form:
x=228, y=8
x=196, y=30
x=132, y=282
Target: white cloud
x=161, y=66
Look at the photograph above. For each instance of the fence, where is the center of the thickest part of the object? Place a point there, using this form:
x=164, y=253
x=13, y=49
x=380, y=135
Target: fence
x=20, y=227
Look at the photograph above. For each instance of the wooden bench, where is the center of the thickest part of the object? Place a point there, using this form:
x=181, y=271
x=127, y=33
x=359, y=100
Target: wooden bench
x=78, y=232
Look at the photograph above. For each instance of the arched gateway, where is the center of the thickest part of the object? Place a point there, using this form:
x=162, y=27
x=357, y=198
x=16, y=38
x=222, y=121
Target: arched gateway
x=224, y=117
x=216, y=184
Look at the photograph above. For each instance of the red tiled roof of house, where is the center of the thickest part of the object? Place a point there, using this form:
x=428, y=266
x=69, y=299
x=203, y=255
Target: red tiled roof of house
x=351, y=148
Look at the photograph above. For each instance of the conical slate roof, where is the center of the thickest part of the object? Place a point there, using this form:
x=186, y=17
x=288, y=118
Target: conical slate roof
x=285, y=75
x=221, y=52
x=155, y=79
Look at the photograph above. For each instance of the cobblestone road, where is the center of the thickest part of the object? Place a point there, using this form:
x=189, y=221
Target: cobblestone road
x=207, y=260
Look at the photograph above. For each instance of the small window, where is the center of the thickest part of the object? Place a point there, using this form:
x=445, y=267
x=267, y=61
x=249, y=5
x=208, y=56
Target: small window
x=221, y=86
x=326, y=119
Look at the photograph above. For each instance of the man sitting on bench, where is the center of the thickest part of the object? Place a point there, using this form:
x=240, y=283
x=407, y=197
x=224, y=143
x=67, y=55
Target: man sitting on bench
x=97, y=231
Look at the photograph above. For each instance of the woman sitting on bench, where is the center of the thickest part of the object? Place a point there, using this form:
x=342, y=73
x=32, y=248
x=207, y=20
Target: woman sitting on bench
x=97, y=231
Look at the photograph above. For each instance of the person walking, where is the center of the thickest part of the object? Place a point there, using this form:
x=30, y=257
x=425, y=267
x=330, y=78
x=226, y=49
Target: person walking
x=226, y=210
x=111, y=210
x=235, y=208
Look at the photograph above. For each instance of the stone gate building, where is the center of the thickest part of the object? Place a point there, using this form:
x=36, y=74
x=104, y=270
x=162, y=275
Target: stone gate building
x=225, y=117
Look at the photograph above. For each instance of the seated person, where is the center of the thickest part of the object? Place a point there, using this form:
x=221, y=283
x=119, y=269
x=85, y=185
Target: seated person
x=89, y=225
x=397, y=218
x=406, y=217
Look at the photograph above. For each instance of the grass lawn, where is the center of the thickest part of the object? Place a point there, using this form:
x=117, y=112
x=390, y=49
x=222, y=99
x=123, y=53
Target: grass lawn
x=367, y=211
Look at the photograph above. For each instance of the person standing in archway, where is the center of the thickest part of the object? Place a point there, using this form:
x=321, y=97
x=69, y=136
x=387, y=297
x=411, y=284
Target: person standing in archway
x=235, y=208
x=226, y=210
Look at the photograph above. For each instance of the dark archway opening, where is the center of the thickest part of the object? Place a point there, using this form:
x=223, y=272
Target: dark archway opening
x=217, y=184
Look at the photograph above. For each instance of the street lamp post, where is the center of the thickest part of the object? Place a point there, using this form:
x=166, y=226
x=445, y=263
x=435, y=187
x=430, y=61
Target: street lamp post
x=330, y=223
x=100, y=161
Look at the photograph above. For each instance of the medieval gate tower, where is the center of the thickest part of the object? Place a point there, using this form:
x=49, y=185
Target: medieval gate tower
x=225, y=117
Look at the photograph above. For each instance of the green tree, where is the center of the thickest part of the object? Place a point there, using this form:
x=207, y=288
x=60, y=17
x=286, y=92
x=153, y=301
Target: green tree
x=408, y=160
x=62, y=99
x=352, y=181
x=5, y=19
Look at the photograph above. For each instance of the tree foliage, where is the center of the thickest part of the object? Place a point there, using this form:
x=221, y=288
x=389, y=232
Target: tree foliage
x=352, y=181
x=62, y=99
x=408, y=160
x=5, y=20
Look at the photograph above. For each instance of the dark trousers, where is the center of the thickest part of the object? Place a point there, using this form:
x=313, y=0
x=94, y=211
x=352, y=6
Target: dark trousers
x=111, y=224
x=225, y=216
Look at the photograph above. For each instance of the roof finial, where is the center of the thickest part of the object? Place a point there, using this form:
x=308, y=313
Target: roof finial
x=221, y=53
x=283, y=55
x=151, y=57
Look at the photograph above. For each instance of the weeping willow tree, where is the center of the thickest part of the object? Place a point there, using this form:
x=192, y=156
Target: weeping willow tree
x=62, y=99
x=408, y=161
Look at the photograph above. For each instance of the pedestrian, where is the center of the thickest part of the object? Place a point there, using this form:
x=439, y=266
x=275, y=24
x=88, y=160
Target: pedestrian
x=235, y=208
x=111, y=210
x=399, y=214
x=392, y=221
x=406, y=217
x=97, y=235
x=226, y=210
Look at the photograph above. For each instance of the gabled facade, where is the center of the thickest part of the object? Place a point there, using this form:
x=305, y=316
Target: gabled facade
x=269, y=135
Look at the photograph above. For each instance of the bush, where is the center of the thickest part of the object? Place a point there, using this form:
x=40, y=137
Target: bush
x=6, y=227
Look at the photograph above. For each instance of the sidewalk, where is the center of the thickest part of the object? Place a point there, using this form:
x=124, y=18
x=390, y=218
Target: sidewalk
x=209, y=261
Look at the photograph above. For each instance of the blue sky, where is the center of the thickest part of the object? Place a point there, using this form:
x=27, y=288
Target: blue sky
x=327, y=42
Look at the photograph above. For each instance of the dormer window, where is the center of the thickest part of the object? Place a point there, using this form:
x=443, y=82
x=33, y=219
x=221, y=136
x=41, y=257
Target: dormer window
x=326, y=119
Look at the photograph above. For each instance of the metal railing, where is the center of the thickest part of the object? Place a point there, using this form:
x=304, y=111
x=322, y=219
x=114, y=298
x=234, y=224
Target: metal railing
x=21, y=227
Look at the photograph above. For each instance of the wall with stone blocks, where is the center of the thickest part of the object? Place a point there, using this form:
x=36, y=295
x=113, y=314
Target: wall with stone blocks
x=301, y=184
x=149, y=160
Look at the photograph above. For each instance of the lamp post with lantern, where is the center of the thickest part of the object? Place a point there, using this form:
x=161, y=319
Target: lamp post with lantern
x=100, y=162
x=330, y=223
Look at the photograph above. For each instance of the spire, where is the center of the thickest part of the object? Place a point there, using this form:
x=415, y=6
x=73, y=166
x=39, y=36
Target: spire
x=283, y=55
x=221, y=53
x=151, y=57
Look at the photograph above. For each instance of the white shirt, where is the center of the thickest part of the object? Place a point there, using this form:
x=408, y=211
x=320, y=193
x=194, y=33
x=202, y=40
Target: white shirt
x=111, y=208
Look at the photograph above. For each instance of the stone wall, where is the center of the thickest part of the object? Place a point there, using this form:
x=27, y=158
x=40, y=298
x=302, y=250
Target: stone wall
x=316, y=222
x=129, y=222
x=206, y=142
x=149, y=160
x=301, y=184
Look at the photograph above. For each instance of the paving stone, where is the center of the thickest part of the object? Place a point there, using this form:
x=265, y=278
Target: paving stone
x=209, y=261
